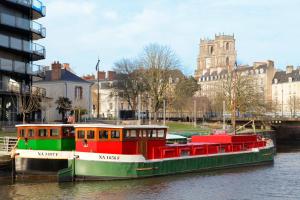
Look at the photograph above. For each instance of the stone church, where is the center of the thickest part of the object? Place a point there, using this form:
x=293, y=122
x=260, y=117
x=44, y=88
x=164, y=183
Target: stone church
x=216, y=54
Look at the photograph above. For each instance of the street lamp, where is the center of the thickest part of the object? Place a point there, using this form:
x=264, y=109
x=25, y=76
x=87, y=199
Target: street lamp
x=98, y=89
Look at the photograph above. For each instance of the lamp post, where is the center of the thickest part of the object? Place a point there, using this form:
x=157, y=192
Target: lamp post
x=98, y=89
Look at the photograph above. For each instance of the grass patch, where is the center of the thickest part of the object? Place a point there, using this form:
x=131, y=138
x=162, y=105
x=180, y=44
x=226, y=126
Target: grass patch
x=187, y=129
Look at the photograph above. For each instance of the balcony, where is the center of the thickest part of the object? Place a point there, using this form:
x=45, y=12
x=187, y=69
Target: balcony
x=35, y=51
x=14, y=87
x=37, y=7
x=21, y=67
x=37, y=30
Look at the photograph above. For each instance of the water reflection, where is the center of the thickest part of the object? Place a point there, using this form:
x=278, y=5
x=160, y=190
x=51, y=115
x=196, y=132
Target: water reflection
x=280, y=180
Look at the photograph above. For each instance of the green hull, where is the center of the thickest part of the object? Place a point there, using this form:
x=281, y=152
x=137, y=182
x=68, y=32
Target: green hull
x=101, y=170
x=66, y=144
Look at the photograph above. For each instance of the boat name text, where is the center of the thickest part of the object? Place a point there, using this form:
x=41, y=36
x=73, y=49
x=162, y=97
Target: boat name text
x=106, y=157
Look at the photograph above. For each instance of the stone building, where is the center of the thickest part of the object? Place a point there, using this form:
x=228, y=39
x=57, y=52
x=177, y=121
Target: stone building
x=262, y=74
x=286, y=92
x=216, y=54
x=109, y=103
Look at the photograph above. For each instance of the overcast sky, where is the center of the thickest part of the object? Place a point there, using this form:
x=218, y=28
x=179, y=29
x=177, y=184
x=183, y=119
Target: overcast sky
x=78, y=31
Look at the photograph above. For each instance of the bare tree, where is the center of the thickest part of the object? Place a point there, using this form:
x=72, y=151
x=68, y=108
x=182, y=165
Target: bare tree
x=293, y=105
x=157, y=61
x=129, y=81
x=28, y=102
x=241, y=95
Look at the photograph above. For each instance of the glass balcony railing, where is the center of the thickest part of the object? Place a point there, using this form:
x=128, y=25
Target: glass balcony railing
x=22, y=45
x=21, y=67
x=7, y=86
x=25, y=24
x=14, y=87
x=36, y=5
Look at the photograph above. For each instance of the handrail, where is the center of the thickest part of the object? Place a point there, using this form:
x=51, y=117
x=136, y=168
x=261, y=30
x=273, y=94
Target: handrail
x=7, y=143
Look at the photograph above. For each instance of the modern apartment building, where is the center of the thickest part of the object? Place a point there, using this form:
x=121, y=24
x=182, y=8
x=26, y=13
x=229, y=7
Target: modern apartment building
x=19, y=32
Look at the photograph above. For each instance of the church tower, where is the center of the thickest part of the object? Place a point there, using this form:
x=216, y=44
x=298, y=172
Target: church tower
x=216, y=54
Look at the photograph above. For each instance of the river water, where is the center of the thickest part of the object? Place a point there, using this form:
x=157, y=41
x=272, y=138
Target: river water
x=280, y=180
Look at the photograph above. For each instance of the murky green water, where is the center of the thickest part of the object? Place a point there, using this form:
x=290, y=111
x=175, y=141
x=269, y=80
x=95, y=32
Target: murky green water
x=278, y=181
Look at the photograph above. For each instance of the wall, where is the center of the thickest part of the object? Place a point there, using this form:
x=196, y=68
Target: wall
x=56, y=89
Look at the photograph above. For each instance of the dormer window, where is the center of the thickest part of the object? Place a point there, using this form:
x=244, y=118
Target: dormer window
x=275, y=80
x=261, y=70
x=290, y=79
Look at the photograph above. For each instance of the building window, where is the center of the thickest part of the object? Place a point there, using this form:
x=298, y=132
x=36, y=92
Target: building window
x=227, y=61
x=78, y=92
x=227, y=46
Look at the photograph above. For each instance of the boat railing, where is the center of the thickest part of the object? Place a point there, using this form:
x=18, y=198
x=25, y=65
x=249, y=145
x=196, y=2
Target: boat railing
x=172, y=151
x=7, y=144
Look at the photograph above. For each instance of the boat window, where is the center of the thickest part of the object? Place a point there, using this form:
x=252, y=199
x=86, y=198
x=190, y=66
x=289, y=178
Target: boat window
x=144, y=133
x=43, y=132
x=54, y=132
x=80, y=134
x=68, y=131
x=22, y=133
x=103, y=134
x=30, y=132
x=133, y=133
x=161, y=133
x=126, y=133
x=150, y=133
x=115, y=134
x=90, y=134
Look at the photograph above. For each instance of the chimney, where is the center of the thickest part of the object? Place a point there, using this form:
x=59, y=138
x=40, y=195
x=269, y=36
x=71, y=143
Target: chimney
x=101, y=75
x=56, y=71
x=111, y=75
x=67, y=66
x=89, y=77
x=289, y=69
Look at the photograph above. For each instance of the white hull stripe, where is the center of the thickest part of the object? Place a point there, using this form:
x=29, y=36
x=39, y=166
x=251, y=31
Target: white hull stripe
x=110, y=157
x=42, y=154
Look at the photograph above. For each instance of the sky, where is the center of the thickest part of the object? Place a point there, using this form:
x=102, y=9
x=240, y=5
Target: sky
x=80, y=31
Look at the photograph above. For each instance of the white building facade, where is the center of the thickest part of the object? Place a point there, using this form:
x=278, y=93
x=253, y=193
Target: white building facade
x=61, y=82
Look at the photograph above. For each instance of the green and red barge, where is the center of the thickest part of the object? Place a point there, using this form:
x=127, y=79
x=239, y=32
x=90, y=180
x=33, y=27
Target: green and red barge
x=104, y=152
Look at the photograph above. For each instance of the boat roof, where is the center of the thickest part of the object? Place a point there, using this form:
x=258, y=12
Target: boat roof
x=26, y=125
x=174, y=137
x=118, y=126
x=98, y=125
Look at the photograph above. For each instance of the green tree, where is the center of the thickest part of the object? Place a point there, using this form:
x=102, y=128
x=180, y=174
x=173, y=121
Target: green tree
x=64, y=104
x=184, y=92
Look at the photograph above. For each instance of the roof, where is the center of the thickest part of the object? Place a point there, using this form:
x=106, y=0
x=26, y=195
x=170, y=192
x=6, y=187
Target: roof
x=30, y=125
x=99, y=125
x=238, y=69
x=65, y=76
x=283, y=77
x=117, y=126
x=174, y=137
